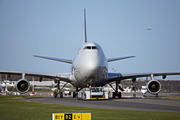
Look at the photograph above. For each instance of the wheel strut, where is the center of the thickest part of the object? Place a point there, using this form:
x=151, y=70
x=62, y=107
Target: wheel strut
x=116, y=93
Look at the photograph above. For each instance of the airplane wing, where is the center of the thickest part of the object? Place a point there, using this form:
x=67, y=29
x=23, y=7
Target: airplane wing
x=118, y=58
x=57, y=76
x=55, y=59
x=119, y=76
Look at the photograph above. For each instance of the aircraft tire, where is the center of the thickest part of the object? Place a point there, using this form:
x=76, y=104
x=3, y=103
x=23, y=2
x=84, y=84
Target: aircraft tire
x=114, y=94
x=61, y=94
x=74, y=94
x=55, y=94
x=119, y=95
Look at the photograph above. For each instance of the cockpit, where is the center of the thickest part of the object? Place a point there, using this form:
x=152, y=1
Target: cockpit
x=90, y=47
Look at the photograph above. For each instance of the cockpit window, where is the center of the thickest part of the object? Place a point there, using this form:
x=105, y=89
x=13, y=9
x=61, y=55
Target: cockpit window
x=94, y=47
x=87, y=47
x=90, y=47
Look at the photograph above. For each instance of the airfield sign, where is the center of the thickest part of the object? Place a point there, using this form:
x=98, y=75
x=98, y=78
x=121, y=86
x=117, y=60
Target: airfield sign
x=71, y=116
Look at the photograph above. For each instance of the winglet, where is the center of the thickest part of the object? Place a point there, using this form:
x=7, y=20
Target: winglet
x=84, y=28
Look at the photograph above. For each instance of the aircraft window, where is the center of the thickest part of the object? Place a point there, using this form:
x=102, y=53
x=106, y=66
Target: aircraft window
x=87, y=47
x=90, y=47
x=94, y=47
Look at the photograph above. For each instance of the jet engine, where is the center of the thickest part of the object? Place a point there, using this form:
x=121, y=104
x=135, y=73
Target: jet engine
x=154, y=87
x=22, y=86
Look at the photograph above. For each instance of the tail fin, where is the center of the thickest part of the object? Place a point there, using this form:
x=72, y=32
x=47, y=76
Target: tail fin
x=84, y=28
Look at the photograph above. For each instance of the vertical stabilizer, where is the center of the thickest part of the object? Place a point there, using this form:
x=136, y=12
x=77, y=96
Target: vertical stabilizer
x=84, y=28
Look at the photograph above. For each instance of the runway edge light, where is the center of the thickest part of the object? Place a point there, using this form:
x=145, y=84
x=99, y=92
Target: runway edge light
x=71, y=116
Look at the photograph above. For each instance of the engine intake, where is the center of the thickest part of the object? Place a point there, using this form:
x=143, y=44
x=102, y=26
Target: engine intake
x=22, y=86
x=154, y=87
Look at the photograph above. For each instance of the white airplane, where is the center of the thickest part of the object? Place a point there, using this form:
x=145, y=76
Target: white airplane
x=89, y=68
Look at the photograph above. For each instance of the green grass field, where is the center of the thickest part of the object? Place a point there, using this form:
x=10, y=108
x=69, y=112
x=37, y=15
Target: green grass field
x=13, y=109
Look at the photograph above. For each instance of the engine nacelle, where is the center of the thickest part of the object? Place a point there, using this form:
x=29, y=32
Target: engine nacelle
x=154, y=87
x=22, y=86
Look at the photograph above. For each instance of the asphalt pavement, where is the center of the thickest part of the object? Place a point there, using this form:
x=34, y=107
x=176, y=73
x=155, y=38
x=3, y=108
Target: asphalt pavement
x=127, y=102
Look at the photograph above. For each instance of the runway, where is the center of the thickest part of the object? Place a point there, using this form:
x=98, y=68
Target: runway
x=126, y=103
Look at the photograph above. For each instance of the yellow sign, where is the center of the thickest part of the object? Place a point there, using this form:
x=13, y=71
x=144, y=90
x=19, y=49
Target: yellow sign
x=58, y=116
x=86, y=116
x=71, y=116
x=76, y=116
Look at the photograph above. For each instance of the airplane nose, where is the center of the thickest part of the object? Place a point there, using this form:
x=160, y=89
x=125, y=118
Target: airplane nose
x=91, y=61
x=92, y=66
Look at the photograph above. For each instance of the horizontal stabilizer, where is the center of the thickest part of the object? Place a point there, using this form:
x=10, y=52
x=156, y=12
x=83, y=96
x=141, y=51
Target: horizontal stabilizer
x=119, y=58
x=55, y=59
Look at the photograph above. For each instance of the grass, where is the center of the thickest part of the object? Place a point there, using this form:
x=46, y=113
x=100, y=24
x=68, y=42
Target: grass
x=13, y=109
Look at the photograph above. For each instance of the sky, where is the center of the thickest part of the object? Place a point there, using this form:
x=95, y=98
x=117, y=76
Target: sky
x=120, y=27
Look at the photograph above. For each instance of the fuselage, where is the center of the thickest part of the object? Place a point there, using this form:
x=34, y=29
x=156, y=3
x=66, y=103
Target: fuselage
x=90, y=66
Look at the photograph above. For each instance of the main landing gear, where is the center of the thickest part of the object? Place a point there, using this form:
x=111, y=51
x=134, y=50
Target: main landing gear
x=117, y=94
x=76, y=92
x=59, y=91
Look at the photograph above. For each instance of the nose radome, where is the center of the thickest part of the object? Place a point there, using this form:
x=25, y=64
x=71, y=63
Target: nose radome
x=92, y=65
x=90, y=69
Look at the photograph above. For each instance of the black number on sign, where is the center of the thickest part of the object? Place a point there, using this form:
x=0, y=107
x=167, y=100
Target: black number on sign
x=57, y=116
x=68, y=116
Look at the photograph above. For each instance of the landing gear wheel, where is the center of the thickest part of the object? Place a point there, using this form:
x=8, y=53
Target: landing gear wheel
x=114, y=94
x=119, y=95
x=55, y=94
x=74, y=94
x=61, y=94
